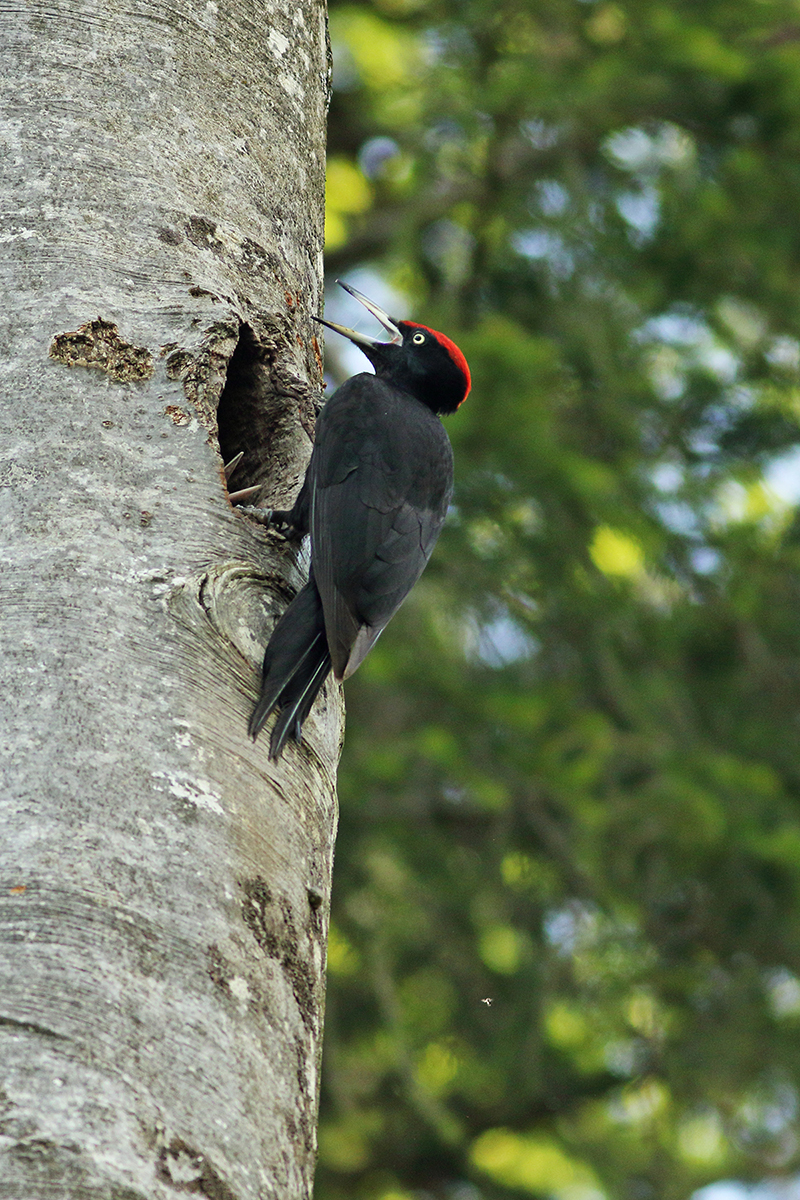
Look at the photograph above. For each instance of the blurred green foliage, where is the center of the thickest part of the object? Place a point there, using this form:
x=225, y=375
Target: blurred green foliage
x=565, y=954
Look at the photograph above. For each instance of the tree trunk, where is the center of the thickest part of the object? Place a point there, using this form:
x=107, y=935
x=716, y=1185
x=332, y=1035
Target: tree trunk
x=163, y=886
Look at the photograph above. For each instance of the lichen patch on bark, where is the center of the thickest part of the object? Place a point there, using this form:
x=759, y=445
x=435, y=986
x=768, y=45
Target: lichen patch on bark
x=177, y=415
x=98, y=344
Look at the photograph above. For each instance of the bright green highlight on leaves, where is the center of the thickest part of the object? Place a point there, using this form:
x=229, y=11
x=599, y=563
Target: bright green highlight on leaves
x=343, y=959
x=437, y=1067
x=701, y=1140
x=348, y=193
x=501, y=949
x=537, y=1165
x=384, y=55
x=616, y=553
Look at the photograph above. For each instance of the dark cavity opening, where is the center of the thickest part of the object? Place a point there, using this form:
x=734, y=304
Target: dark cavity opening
x=243, y=413
x=268, y=413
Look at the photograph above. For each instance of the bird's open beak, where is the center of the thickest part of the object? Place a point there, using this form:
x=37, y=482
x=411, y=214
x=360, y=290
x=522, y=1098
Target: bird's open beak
x=363, y=339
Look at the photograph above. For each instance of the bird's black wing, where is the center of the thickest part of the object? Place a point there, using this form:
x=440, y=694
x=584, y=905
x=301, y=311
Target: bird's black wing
x=381, y=481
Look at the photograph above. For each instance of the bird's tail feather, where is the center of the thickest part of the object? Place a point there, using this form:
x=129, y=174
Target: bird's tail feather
x=296, y=664
x=296, y=699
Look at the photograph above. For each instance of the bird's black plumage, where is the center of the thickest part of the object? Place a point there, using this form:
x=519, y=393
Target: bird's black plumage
x=374, y=499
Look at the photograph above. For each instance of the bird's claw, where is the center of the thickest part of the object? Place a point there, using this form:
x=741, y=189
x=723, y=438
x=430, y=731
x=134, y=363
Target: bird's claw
x=262, y=515
x=271, y=518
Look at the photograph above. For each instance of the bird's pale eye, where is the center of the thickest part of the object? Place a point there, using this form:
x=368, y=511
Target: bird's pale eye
x=418, y=339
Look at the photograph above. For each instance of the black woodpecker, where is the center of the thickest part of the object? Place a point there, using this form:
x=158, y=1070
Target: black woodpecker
x=374, y=500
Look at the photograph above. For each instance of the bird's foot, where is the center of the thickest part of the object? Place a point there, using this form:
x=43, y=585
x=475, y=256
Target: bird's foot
x=271, y=518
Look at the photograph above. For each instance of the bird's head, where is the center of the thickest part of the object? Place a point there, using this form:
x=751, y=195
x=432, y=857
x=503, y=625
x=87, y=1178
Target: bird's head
x=420, y=360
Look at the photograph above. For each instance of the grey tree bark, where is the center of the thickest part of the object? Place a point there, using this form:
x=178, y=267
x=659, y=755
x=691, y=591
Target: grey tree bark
x=163, y=887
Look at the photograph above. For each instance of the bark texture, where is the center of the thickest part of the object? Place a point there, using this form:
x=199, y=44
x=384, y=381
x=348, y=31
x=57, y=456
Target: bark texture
x=163, y=887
